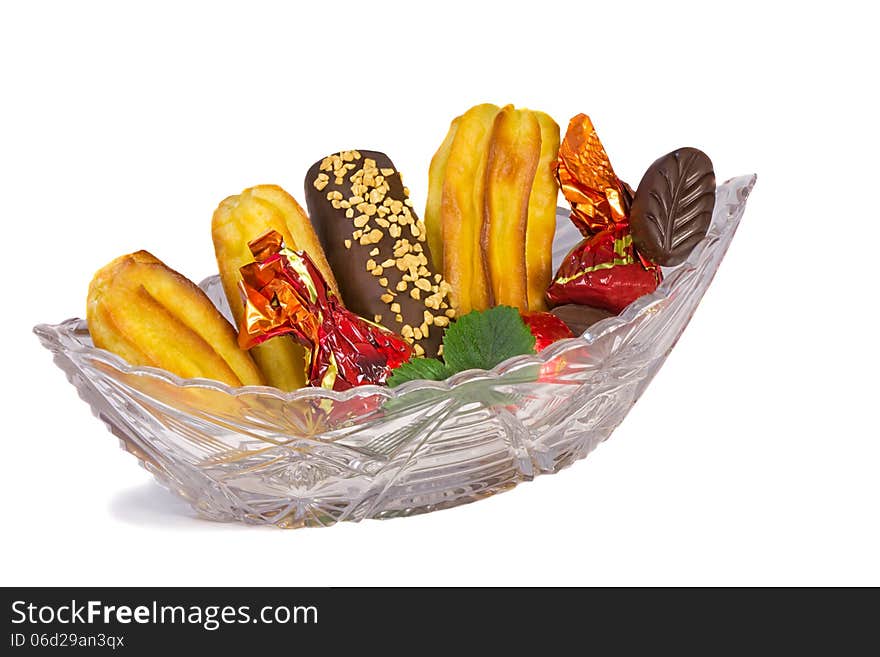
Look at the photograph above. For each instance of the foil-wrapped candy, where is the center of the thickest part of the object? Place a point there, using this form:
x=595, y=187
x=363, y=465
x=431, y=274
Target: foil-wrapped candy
x=598, y=198
x=284, y=293
x=605, y=270
x=546, y=328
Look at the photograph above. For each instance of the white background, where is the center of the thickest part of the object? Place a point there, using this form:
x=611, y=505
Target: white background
x=753, y=458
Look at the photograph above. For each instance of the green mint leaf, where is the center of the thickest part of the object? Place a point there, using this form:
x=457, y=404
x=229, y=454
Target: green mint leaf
x=418, y=368
x=482, y=339
x=479, y=340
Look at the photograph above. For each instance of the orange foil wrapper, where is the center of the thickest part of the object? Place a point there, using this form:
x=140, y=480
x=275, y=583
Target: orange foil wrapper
x=285, y=294
x=605, y=270
x=599, y=201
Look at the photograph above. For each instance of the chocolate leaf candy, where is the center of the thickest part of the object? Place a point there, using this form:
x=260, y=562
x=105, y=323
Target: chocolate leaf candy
x=673, y=206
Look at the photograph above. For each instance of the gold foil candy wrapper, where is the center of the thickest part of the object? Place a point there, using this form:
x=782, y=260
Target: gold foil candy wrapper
x=599, y=201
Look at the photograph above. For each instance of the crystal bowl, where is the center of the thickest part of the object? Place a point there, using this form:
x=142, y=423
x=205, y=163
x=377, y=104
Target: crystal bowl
x=314, y=457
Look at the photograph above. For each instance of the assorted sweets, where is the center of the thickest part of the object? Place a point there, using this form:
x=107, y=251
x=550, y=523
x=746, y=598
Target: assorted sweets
x=359, y=290
x=604, y=270
x=627, y=235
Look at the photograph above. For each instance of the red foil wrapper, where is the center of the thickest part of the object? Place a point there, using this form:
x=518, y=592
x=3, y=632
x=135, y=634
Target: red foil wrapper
x=284, y=293
x=605, y=270
x=547, y=329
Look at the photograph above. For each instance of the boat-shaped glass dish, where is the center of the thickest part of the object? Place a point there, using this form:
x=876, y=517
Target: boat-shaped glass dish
x=314, y=457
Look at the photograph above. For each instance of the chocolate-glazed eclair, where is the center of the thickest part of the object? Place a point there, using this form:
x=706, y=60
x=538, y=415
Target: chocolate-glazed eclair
x=377, y=246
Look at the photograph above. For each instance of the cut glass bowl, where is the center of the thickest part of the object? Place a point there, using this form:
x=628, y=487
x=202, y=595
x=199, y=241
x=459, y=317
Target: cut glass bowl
x=314, y=457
